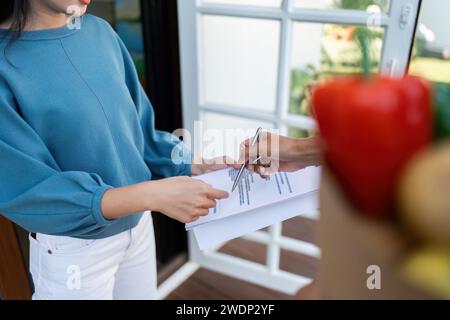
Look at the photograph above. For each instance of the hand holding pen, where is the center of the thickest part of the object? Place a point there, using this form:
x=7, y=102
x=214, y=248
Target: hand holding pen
x=247, y=162
x=273, y=153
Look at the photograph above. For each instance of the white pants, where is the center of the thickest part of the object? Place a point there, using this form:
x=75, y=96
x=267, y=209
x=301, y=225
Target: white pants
x=121, y=267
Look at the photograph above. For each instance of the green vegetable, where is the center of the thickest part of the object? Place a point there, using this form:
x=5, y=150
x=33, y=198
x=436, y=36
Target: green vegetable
x=442, y=110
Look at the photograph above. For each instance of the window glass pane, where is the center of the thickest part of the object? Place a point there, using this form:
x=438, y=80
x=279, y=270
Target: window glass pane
x=343, y=4
x=223, y=134
x=323, y=50
x=262, y=3
x=431, y=56
x=240, y=61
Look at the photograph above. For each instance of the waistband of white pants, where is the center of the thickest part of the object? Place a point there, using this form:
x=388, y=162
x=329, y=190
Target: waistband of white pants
x=146, y=213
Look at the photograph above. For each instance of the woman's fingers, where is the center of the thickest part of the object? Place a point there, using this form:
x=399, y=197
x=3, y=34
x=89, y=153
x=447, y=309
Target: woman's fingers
x=193, y=219
x=202, y=212
x=226, y=162
x=218, y=163
x=236, y=164
x=217, y=194
x=209, y=203
x=194, y=216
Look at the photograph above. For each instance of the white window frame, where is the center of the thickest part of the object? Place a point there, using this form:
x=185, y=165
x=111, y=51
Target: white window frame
x=399, y=23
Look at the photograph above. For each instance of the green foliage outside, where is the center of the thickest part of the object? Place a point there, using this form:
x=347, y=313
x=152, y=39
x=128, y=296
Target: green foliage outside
x=299, y=133
x=340, y=57
x=344, y=59
x=360, y=4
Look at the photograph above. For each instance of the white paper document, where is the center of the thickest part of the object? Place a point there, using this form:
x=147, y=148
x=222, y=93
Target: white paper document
x=255, y=204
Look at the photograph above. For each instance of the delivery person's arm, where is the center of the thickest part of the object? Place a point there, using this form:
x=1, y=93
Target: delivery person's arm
x=278, y=153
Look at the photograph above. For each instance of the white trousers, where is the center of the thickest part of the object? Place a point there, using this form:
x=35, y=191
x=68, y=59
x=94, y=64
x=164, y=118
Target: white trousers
x=121, y=267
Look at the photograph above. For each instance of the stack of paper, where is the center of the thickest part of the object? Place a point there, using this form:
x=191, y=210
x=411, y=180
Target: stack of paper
x=257, y=203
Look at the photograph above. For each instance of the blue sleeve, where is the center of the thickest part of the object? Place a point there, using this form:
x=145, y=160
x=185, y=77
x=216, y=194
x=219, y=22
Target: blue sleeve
x=34, y=193
x=164, y=154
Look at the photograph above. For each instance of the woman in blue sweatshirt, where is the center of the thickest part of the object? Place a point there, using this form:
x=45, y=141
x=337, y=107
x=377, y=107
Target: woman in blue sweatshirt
x=81, y=164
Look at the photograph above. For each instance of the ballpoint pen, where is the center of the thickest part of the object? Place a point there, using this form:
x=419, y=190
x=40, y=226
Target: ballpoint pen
x=246, y=163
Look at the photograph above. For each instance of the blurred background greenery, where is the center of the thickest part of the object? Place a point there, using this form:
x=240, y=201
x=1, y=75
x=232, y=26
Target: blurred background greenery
x=341, y=55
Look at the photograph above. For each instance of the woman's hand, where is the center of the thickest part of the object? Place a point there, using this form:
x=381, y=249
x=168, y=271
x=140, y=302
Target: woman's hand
x=186, y=199
x=183, y=198
x=202, y=166
x=277, y=153
x=180, y=198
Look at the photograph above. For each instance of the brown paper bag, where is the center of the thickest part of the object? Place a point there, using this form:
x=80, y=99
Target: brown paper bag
x=352, y=243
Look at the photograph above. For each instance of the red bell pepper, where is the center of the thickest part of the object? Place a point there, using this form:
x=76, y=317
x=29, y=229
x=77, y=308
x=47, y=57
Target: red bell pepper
x=371, y=127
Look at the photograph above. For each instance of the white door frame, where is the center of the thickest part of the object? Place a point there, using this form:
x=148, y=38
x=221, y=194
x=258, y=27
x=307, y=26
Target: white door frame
x=399, y=24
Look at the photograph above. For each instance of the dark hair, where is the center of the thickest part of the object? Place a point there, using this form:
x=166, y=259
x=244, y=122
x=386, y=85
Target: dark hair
x=18, y=11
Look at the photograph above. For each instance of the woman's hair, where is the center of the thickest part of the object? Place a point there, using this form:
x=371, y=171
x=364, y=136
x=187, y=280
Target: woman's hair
x=17, y=11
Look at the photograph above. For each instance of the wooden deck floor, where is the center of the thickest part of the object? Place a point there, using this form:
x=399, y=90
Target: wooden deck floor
x=205, y=285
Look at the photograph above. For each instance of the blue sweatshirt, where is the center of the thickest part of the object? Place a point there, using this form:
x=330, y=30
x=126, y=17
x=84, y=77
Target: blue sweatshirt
x=75, y=122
